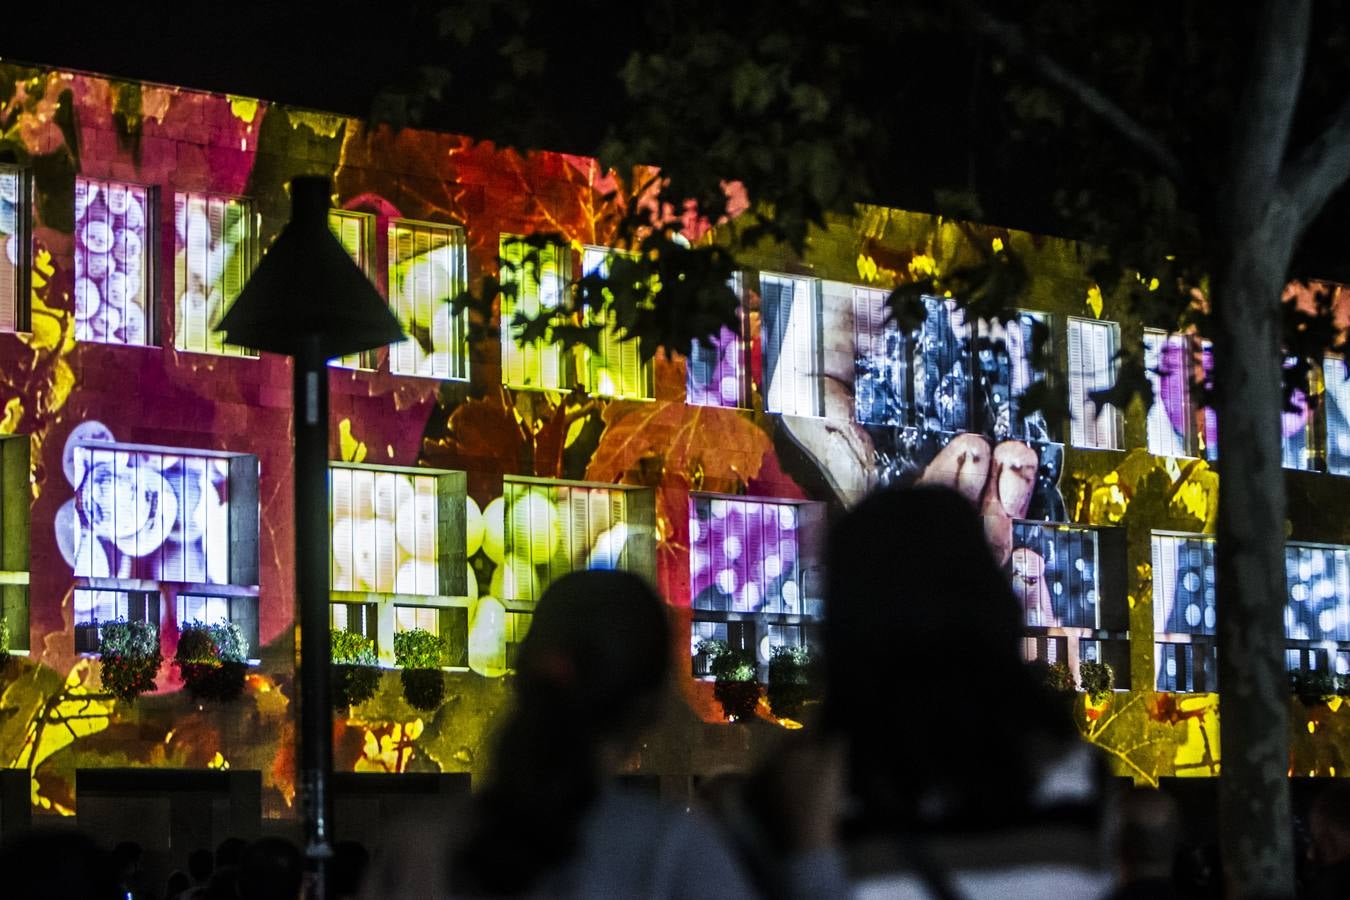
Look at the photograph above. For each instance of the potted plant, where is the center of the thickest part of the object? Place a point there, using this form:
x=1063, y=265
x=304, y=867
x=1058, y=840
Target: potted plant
x=130, y=657
x=1097, y=679
x=734, y=683
x=1059, y=677
x=790, y=682
x=420, y=654
x=1312, y=688
x=355, y=673
x=4, y=641
x=213, y=660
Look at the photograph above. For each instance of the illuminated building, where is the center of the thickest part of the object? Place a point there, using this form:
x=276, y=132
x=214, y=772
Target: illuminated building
x=465, y=477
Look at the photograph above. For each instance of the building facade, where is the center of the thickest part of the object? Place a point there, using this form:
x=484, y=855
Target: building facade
x=147, y=477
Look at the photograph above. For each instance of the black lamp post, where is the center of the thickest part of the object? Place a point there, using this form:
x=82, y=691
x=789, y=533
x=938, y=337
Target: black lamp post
x=309, y=300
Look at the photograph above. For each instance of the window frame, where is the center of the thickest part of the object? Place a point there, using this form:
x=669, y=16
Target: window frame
x=150, y=271
x=457, y=243
x=251, y=248
x=1079, y=391
x=610, y=343
x=368, y=246
x=803, y=379
x=549, y=360
x=736, y=345
x=1200, y=663
x=21, y=314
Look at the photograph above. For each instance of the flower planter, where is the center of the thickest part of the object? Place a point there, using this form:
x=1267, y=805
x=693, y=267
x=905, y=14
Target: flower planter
x=130, y=658
x=354, y=685
x=424, y=689
x=739, y=699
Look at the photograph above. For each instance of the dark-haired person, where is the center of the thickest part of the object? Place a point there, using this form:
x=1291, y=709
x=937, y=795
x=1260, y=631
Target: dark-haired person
x=1329, y=825
x=965, y=779
x=591, y=675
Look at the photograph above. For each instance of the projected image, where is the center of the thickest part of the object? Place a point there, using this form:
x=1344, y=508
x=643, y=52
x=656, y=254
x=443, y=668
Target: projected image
x=426, y=270
x=1054, y=574
x=1295, y=441
x=1183, y=585
x=743, y=555
x=384, y=531
x=1167, y=359
x=1003, y=374
x=112, y=249
x=942, y=373
x=790, y=312
x=535, y=533
x=717, y=371
x=213, y=256
x=143, y=514
x=1318, y=604
x=1336, y=377
x=11, y=247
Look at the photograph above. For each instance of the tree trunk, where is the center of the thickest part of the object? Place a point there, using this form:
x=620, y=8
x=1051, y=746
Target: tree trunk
x=1256, y=834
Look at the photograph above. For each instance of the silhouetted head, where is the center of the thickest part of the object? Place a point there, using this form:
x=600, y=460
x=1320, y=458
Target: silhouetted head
x=921, y=639
x=589, y=677
x=271, y=868
x=1150, y=834
x=598, y=649
x=57, y=865
x=200, y=863
x=229, y=851
x=1329, y=824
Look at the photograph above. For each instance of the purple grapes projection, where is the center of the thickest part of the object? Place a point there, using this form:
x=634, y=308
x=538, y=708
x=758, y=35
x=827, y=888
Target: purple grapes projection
x=717, y=372
x=111, y=245
x=744, y=556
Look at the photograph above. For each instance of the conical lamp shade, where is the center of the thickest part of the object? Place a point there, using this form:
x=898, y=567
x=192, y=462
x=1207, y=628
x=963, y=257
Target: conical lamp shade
x=307, y=286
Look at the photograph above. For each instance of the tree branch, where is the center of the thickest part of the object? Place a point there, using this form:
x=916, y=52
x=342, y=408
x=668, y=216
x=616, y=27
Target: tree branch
x=1013, y=41
x=1320, y=169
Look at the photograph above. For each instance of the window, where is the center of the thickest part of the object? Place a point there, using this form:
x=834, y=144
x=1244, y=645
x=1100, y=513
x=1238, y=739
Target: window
x=147, y=523
x=539, y=284
x=1005, y=370
x=1297, y=440
x=15, y=499
x=881, y=387
x=1069, y=580
x=220, y=610
x=92, y=608
x=15, y=247
x=1336, y=379
x=1209, y=434
x=152, y=514
x=355, y=231
x=1171, y=420
x=617, y=368
x=790, y=313
x=552, y=528
x=1317, y=608
x=360, y=618
x=1184, y=612
x=1093, y=347
x=215, y=248
x=426, y=270
x=753, y=576
x=114, y=234
x=717, y=371
x=393, y=531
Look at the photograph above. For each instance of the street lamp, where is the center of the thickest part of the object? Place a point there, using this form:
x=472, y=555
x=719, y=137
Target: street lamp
x=308, y=299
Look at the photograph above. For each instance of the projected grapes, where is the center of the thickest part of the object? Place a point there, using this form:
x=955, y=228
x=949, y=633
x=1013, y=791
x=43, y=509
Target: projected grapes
x=384, y=531
x=111, y=254
x=427, y=270
x=743, y=555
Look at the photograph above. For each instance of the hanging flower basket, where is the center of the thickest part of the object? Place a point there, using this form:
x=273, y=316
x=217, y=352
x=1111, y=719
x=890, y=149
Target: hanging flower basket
x=213, y=660
x=1313, y=688
x=734, y=683
x=1097, y=679
x=130, y=658
x=790, y=682
x=356, y=676
x=421, y=654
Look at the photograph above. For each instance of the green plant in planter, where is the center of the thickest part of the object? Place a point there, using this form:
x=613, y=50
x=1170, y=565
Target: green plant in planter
x=790, y=681
x=4, y=640
x=734, y=683
x=1312, y=687
x=1097, y=679
x=420, y=654
x=356, y=676
x=130, y=657
x=213, y=660
x=1059, y=678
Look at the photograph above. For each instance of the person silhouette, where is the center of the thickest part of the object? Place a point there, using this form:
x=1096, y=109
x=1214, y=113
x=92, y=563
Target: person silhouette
x=965, y=777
